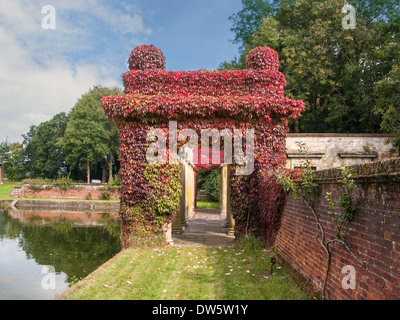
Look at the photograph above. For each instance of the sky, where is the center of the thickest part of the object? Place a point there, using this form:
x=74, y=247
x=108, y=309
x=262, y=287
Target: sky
x=48, y=59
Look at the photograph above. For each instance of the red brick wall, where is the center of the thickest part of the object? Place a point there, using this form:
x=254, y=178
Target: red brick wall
x=373, y=235
x=78, y=192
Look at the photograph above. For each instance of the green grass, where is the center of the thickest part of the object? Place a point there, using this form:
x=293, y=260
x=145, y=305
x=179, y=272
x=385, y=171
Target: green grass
x=202, y=273
x=5, y=189
x=207, y=205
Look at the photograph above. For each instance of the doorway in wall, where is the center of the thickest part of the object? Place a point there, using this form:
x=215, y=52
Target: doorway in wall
x=208, y=188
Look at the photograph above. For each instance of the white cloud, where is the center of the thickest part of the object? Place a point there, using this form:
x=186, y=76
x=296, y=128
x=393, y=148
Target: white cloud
x=44, y=72
x=120, y=22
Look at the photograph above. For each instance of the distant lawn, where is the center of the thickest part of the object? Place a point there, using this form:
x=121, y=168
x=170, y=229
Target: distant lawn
x=207, y=205
x=5, y=189
x=184, y=273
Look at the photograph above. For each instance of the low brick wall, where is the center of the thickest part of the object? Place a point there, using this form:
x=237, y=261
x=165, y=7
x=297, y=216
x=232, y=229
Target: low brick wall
x=373, y=234
x=79, y=191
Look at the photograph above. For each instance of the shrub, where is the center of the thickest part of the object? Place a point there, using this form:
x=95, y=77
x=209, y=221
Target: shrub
x=212, y=185
x=146, y=57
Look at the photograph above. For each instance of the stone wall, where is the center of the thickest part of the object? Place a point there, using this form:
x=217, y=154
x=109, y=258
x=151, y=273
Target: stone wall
x=328, y=150
x=79, y=191
x=201, y=195
x=373, y=234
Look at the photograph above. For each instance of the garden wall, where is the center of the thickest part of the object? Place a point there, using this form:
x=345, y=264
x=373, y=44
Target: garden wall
x=78, y=191
x=373, y=235
x=332, y=150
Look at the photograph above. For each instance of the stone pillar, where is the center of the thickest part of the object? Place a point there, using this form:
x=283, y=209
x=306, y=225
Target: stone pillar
x=168, y=234
x=223, y=198
x=1, y=173
x=184, y=195
x=230, y=222
x=177, y=218
x=189, y=191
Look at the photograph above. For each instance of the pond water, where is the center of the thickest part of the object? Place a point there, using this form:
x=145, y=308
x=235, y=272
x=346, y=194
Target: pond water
x=43, y=252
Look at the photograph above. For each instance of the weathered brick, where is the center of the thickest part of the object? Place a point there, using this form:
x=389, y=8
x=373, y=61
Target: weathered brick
x=373, y=235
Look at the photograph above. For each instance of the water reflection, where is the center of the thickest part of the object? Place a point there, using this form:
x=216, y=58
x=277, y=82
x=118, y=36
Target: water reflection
x=73, y=243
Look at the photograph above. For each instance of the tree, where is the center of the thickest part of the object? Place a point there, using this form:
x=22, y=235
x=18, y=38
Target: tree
x=89, y=137
x=247, y=21
x=98, y=92
x=388, y=104
x=85, y=139
x=44, y=157
x=212, y=185
x=334, y=70
x=12, y=156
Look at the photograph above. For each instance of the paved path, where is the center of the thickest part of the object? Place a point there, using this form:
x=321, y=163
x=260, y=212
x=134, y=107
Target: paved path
x=205, y=228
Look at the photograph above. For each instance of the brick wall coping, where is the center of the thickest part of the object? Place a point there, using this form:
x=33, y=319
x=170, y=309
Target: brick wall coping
x=367, y=172
x=341, y=135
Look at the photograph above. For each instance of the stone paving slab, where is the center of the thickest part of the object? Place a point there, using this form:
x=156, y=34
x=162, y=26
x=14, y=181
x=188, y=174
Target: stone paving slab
x=205, y=228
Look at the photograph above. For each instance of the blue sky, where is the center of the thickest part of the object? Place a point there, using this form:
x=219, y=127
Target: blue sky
x=44, y=71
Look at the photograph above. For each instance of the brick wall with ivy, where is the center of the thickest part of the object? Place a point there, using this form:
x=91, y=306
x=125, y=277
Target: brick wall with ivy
x=373, y=235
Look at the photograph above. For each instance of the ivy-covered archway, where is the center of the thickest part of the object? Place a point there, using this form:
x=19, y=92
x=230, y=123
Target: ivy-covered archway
x=247, y=104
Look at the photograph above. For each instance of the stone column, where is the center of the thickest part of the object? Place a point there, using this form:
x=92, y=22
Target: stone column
x=189, y=191
x=230, y=222
x=168, y=234
x=223, y=189
x=177, y=218
x=182, y=211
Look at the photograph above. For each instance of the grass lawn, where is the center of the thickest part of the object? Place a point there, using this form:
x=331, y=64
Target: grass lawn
x=5, y=189
x=202, y=273
x=207, y=205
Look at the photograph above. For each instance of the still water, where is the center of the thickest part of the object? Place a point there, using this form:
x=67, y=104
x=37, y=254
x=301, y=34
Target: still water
x=43, y=252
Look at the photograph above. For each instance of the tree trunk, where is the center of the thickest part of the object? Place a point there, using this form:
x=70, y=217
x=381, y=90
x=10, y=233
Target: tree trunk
x=110, y=165
x=104, y=172
x=88, y=170
x=297, y=125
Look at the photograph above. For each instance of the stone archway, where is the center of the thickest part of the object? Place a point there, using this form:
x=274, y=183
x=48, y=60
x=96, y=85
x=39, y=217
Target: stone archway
x=187, y=200
x=248, y=105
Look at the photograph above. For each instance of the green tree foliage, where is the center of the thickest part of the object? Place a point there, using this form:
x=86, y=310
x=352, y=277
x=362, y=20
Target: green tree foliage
x=210, y=182
x=334, y=70
x=98, y=92
x=89, y=136
x=44, y=157
x=388, y=104
x=247, y=21
x=12, y=156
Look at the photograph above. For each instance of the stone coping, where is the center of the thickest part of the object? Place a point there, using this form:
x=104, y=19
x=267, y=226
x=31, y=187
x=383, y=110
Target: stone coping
x=388, y=170
x=341, y=135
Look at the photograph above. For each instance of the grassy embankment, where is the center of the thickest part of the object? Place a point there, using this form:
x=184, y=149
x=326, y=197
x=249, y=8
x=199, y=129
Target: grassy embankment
x=182, y=273
x=5, y=189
